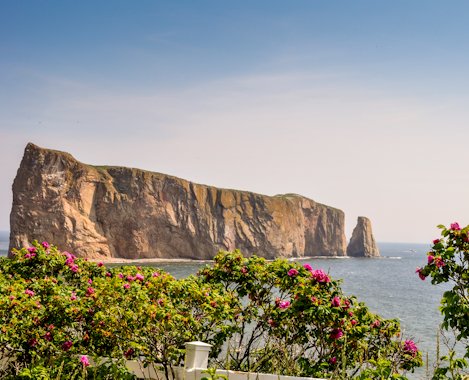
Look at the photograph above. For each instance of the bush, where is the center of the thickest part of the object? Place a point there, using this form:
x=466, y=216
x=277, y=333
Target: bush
x=60, y=313
x=295, y=320
x=448, y=261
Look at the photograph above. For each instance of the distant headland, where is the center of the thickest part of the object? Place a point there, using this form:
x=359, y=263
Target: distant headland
x=117, y=212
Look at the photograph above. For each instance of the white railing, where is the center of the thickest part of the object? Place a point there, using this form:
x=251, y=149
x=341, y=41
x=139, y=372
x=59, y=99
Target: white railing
x=196, y=362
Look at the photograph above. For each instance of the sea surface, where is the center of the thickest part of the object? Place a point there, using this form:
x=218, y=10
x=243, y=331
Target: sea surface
x=388, y=285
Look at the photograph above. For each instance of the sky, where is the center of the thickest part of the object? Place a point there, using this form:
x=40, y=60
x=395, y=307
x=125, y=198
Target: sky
x=360, y=105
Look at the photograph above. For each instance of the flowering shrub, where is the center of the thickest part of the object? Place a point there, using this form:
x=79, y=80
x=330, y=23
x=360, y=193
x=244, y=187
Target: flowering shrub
x=57, y=310
x=448, y=261
x=295, y=320
x=59, y=314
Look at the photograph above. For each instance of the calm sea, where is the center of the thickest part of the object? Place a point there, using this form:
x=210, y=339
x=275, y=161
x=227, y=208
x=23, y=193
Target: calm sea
x=388, y=285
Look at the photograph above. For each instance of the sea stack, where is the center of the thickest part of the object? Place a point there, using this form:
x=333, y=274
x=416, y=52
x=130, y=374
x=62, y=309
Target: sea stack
x=362, y=243
x=103, y=212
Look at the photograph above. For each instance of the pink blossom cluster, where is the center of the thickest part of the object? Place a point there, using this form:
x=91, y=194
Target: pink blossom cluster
x=282, y=304
x=335, y=302
x=70, y=262
x=455, y=226
x=410, y=347
x=29, y=292
x=320, y=276
x=421, y=274
x=336, y=334
x=438, y=261
x=292, y=272
x=67, y=345
x=84, y=360
x=32, y=251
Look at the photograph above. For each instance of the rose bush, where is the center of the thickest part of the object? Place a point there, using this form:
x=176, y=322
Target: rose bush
x=55, y=308
x=60, y=315
x=295, y=320
x=448, y=262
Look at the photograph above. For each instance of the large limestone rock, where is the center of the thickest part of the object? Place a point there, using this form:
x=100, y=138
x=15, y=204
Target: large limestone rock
x=362, y=243
x=99, y=211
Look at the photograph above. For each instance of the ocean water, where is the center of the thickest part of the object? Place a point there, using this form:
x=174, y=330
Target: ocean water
x=388, y=285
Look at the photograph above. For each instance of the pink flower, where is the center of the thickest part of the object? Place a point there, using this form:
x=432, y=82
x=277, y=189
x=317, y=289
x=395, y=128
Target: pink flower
x=314, y=299
x=244, y=270
x=333, y=360
x=69, y=255
x=69, y=261
x=29, y=292
x=126, y=285
x=90, y=281
x=439, y=262
x=108, y=274
x=27, y=256
x=12, y=298
x=421, y=275
x=335, y=302
x=410, y=347
x=139, y=277
x=67, y=345
x=455, y=226
x=292, y=272
x=73, y=297
x=48, y=336
x=84, y=360
x=100, y=264
x=121, y=275
x=45, y=244
x=337, y=334
x=74, y=268
x=436, y=241
x=32, y=342
x=308, y=267
x=129, y=353
x=130, y=278
x=353, y=322
x=376, y=323
x=32, y=249
x=284, y=304
x=320, y=276
x=89, y=291
x=430, y=259
x=155, y=274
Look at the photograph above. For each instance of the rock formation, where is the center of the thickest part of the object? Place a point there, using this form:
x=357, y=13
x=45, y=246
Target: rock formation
x=99, y=212
x=362, y=243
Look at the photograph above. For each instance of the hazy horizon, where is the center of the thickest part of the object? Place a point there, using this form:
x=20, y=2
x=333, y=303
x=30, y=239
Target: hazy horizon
x=358, y=105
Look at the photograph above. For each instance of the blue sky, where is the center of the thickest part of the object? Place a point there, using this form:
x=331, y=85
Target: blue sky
x=361, y=105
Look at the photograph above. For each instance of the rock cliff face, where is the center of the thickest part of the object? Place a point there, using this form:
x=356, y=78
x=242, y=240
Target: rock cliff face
x=362, y=243
x=99, y=212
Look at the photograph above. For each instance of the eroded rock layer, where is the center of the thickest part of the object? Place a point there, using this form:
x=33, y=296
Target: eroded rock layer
x=96, y=211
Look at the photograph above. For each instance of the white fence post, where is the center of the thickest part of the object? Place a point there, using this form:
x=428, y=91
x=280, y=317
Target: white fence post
x=197, y=355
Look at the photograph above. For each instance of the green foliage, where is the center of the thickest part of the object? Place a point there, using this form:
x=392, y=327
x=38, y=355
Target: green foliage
x=448, y=262
x=276, y=317
x=294, y=320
